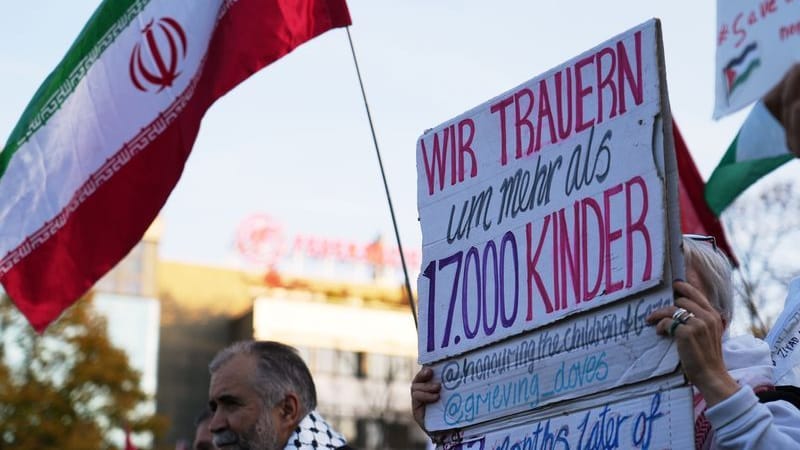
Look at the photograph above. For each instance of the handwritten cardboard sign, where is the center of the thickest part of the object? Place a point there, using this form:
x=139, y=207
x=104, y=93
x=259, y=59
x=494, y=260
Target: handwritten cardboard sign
x=646, y=419
x=546, y=201
x=757, y=42
x=582, y=355
x=550, y=224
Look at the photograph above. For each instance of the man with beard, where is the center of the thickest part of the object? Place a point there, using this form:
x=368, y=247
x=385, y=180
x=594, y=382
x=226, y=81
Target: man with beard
x=262, y=397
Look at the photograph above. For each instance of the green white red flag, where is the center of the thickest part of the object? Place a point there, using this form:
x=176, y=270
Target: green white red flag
x=758, y=149
x=105, y=138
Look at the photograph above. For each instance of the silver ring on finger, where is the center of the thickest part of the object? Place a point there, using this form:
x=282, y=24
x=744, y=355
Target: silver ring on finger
x=684, y=319
x=678, y=313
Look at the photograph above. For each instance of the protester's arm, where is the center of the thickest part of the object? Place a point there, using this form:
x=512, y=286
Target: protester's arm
x=741, y=422
x=783, y=102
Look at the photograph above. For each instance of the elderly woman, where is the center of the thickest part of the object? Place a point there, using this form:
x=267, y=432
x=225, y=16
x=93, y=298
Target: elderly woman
x=726, y=372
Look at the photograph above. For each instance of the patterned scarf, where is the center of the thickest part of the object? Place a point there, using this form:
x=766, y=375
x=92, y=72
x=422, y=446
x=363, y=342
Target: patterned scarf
x=314, y=433
x=749, y=363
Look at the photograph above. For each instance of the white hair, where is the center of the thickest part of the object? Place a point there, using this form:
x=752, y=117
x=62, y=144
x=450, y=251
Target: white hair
x=715, y=273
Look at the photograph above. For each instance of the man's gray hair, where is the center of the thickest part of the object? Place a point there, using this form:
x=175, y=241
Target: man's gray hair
x=280, y=371
x=714, y=271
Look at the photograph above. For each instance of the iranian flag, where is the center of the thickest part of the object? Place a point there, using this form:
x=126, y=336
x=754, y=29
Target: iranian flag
x=105, y=138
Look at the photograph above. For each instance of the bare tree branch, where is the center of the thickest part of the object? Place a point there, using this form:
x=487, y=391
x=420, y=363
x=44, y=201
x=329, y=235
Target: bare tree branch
x=760, y=226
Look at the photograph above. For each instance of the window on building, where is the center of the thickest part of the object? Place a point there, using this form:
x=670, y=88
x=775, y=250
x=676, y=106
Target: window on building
x=333, y=362
x=346, y=364
x=325, y=360
x=386, y=368
x=386, y=434
x=362, y=369
x=378, y=366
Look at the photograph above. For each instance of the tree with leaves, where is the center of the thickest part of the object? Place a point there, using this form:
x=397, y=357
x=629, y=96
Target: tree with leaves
x=68, y=388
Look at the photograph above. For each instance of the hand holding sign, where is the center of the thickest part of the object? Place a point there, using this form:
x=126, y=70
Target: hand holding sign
x=783, y=101
x=423, y=391
x=699, y=317
x=699, y=339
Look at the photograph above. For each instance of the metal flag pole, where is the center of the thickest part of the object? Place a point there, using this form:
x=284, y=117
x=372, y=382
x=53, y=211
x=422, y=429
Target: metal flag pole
x=385, y=184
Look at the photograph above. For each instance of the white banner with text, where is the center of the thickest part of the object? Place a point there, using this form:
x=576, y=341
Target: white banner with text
x=757, y=42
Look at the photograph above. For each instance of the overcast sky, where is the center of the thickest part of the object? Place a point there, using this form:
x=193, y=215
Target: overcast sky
x=293, y=140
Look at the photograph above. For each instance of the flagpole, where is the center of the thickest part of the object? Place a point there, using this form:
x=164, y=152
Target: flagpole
x=385, y=184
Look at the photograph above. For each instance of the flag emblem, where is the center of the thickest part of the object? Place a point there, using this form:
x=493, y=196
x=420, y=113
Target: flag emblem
x=163, y=53
x=739, y=69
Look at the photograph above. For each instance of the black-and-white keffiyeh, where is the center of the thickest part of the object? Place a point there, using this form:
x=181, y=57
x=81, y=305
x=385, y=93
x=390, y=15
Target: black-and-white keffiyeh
x=314, y=433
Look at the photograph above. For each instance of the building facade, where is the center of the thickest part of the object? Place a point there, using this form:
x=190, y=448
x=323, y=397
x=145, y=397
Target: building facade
x=355, y=332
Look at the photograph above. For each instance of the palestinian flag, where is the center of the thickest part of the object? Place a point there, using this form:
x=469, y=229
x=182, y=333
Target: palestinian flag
x=105, y=138
x=759, y=148
x=739, y=69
